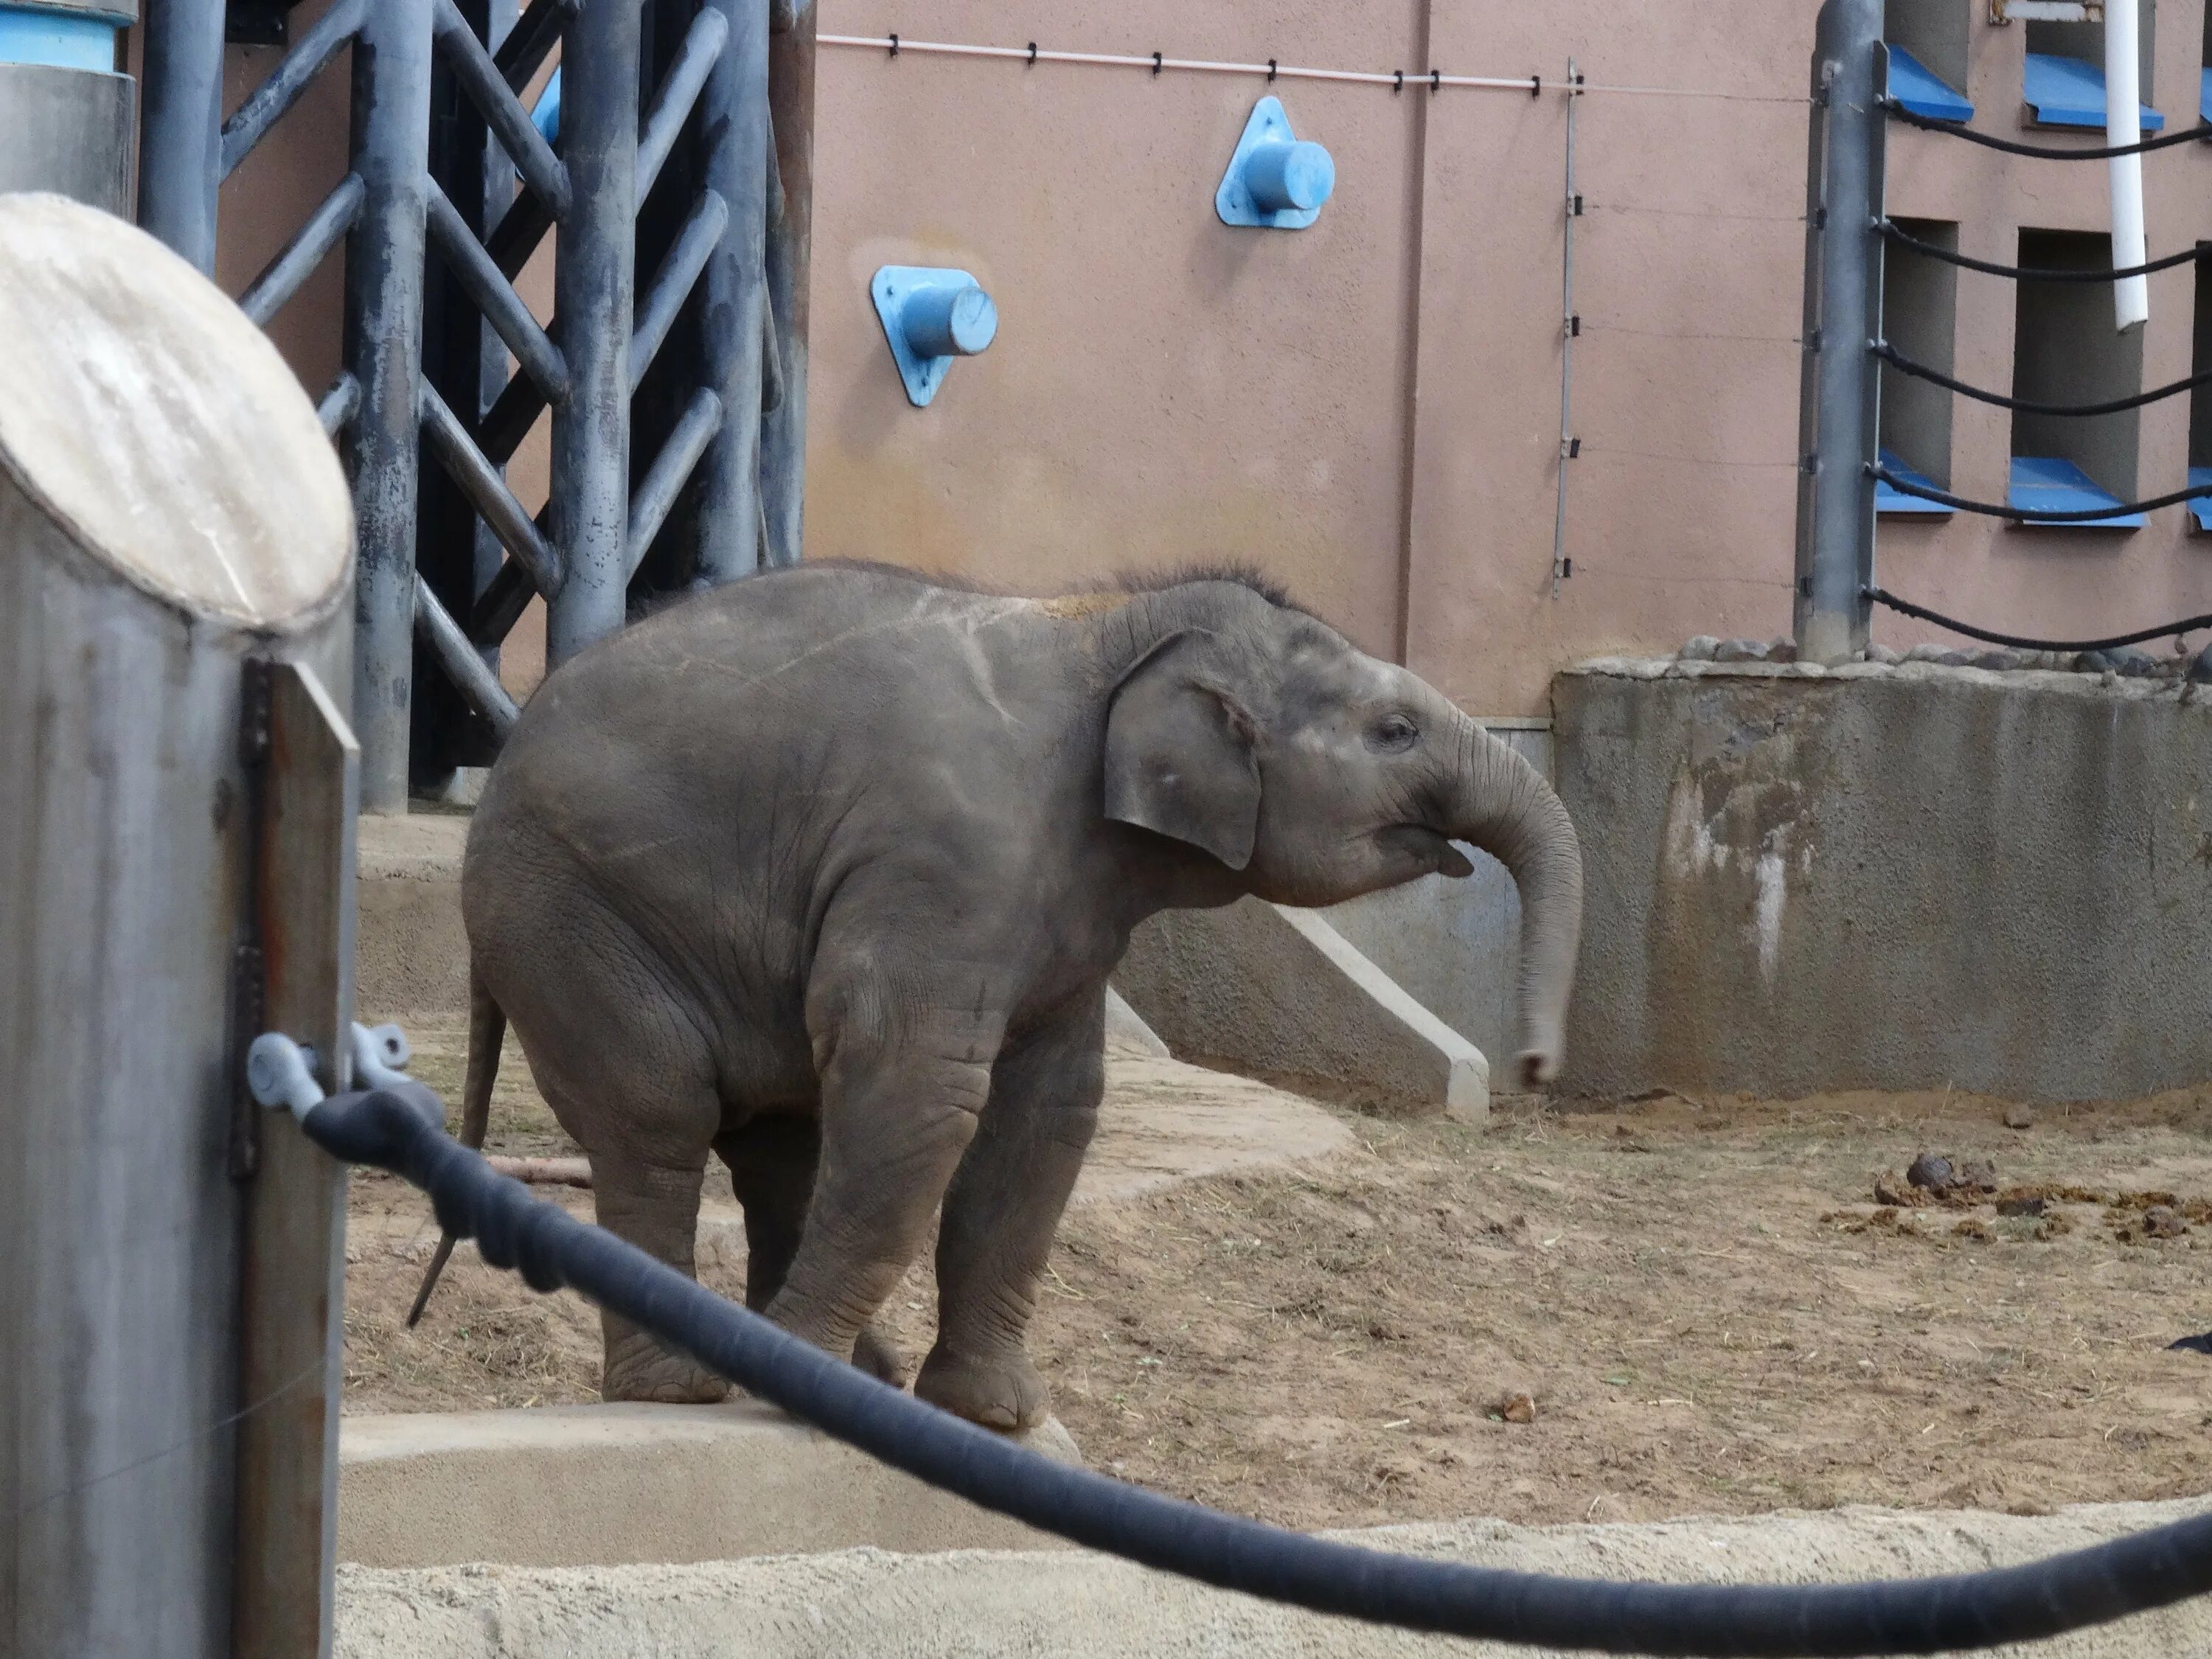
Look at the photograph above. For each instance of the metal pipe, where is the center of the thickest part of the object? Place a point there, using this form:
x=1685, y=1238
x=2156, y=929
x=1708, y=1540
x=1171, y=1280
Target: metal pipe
x=704, y=45
x=501, y=306
x=673, y=281
x=180, y=147
x=488, y=494
x=384, y=349
x=280, y=279
x=736, y=349
x=459, y=657
x=501, y=110
x=339, y=404
x=266, y=104
x=594, y=294
x=1570, y=325
x=2123, y=125
x=648, y=509
x=1838, y=406
x=789, y=262
x=530, y=39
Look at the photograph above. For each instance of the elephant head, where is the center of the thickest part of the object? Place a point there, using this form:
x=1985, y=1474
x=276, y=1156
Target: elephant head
x=1258, y=734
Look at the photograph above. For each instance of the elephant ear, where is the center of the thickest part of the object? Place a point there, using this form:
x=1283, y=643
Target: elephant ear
x=1179, y=757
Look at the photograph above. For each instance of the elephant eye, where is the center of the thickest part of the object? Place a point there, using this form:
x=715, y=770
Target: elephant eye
x=1393, y=734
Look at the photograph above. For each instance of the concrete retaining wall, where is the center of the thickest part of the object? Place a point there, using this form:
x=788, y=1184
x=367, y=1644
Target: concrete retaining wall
x=1070, y=1604
x=1888, y=877
x=571, y=1485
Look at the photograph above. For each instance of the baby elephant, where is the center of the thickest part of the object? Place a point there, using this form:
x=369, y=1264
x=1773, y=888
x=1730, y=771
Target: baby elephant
x=824, y=872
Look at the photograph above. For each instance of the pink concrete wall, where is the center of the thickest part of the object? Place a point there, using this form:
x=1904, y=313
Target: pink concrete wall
x=1370, y=409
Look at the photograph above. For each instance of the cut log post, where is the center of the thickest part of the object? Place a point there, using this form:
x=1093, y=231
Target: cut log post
x=170, y=512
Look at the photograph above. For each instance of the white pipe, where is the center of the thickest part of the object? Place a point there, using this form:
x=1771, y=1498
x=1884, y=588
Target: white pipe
x=2123, y=125
x=1397, y=80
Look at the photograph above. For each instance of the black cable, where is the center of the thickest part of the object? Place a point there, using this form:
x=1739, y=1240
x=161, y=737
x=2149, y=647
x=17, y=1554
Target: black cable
x=2197, y=134
x=402, y=1131
x=1905, y=607
x=1893, y=232
x=2029, y=514
x=1897, y=360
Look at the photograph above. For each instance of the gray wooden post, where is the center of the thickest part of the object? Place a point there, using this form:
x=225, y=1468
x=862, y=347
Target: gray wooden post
x=166, y=517
x=72, y=130
x=595, y=294
x=1837, y=408
x=383, y=352
x=733, y=132
x=790, y=260
x=180, y=154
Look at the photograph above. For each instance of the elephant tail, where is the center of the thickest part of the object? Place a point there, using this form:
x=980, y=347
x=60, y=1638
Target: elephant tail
x=486, y=1031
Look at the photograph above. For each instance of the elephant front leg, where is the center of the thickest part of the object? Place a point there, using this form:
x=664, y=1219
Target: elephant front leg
x=999, y=1217
x=898, y=1109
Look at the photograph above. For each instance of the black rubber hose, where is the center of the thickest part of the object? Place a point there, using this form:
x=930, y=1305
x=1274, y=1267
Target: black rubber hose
x=1905, y=365
x=397, y=1131
x=1905, y=607
x=2197, y=134
x=1892, y=232
x=2034, y=515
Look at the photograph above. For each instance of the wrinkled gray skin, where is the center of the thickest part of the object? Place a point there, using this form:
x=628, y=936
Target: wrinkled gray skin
x=824, y=872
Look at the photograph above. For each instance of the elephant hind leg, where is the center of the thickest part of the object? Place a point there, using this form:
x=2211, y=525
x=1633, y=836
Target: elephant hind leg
x=634, y=1084
x=772, y=1161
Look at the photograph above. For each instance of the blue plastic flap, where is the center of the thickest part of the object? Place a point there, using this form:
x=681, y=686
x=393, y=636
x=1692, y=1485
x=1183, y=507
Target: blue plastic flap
x=58, y=40
x=2069, y=92
x=1889, y=499
x=1921, y=90
x=2044, y=483
x=2200, y=508
x=546, y=117
x=2204, y=94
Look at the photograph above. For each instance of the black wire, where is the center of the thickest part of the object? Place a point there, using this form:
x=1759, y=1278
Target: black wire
x=1897, y=360
x=402, y=1131
x=1890, y=228
x=2034, y=515
x=1905, y=607
x=2197, y=134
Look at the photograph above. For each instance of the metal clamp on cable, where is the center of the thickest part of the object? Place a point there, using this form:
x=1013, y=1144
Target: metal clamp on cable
x=282, y=1072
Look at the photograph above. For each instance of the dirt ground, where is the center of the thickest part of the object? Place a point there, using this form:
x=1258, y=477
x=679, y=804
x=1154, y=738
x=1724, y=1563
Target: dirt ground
x=1702, y=1299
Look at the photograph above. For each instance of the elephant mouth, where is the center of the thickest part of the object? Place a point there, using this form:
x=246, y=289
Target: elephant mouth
x=1420, y=845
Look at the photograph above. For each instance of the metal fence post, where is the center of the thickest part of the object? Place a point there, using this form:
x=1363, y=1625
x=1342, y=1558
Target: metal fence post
x=384, y=349
x=790, y=259
x=594, y=296
x=180, y=147
x=1837, y=408
x=733, y=130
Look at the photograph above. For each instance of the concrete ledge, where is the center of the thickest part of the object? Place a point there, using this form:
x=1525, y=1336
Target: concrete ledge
x=411, y=951
x=568, y=1485
x=1280, y=990
x=1070, y=1604
x=1893, y=878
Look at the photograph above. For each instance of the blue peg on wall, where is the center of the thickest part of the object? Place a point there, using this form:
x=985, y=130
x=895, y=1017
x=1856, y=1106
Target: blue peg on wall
x=930, y=316
x=1276, y=180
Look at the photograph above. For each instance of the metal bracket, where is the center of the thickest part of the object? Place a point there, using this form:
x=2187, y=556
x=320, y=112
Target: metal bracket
x=1275, y=180
x=931, y=314
x=282, y=1072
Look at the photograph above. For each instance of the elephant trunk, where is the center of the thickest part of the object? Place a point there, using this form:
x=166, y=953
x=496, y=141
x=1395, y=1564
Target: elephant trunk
x=1498, y=802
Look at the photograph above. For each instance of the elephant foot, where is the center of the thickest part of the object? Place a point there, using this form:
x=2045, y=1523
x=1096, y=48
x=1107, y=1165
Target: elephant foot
x=1002, y=1392
x=876, y=1357
x=641, y=1371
